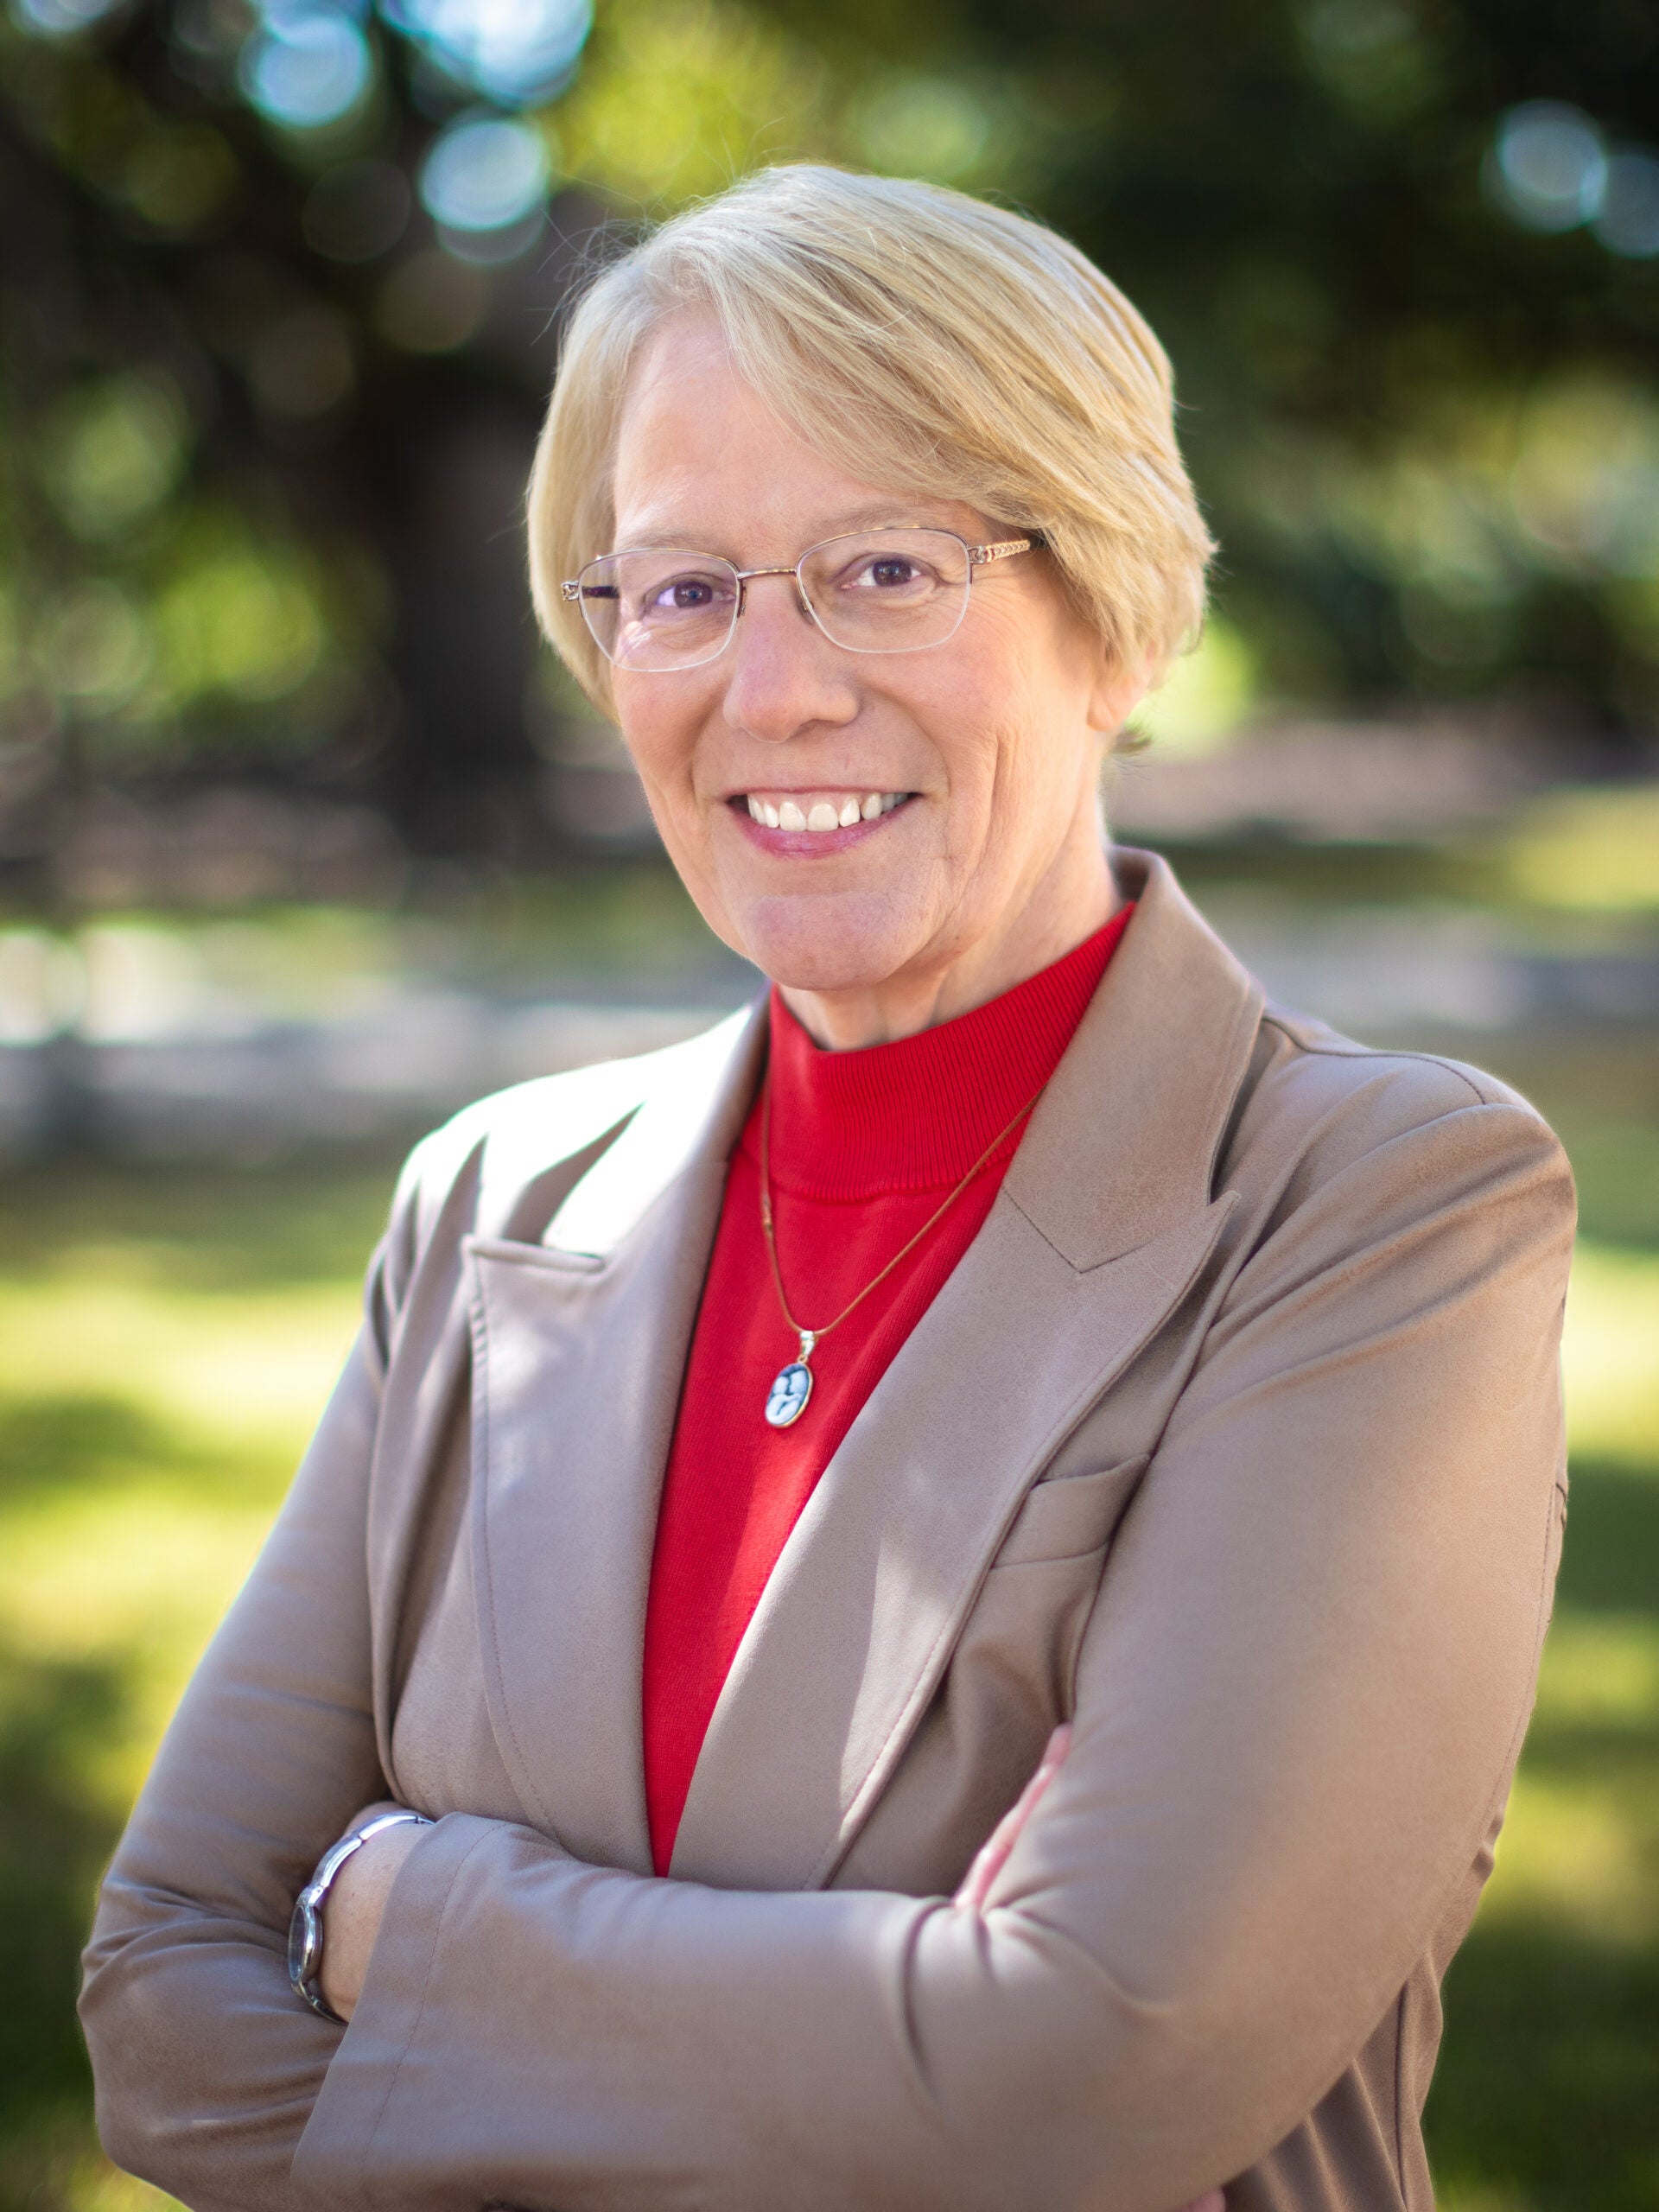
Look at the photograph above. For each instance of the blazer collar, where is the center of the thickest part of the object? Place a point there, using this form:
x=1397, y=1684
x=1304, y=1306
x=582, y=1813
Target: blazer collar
x=580, y=1341
x=1124, y=1140
x=689, y=1118
x=1121, y=1146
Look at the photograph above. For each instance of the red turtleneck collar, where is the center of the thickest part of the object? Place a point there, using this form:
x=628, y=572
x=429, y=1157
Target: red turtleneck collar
x=915, y=1115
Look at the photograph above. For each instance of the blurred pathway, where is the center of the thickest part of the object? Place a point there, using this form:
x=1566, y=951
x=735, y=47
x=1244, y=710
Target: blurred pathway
x=164, y=1040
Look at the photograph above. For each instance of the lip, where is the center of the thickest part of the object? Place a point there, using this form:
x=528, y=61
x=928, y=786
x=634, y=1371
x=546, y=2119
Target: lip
x=808, y=844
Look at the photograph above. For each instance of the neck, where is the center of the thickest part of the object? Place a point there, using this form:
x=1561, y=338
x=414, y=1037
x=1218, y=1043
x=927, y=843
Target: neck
x=1072, y=899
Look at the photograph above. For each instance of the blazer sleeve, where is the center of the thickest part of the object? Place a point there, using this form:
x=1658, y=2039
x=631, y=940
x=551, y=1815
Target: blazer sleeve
x=1299, y=1704
x=205, y=2066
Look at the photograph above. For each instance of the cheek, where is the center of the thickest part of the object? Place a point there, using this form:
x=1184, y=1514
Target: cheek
x=660, y=729
x=988, y=748
x=986, y=713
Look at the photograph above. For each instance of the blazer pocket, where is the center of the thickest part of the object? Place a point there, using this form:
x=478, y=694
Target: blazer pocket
x=554, y=1258
x=1067, y=1516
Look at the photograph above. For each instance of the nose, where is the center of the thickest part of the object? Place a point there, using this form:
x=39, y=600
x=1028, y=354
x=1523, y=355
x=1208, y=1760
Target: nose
x=783, y=675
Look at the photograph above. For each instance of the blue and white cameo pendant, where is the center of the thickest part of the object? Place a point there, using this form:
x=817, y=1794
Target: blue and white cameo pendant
x=791, y=1387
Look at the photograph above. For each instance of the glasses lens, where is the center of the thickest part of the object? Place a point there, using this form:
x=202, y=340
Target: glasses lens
x=657, y=611
x=889, y=591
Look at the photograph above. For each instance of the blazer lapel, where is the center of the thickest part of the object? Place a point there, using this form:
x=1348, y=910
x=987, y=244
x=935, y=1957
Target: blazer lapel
x=1104, y=1221
x=858, y=1620
x=578, y=1348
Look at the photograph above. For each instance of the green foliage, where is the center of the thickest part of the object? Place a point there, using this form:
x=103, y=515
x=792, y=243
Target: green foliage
x=1550, y=2077
x=681, y=97
x=56, y=1718
x=238, y=355
x=113, y=449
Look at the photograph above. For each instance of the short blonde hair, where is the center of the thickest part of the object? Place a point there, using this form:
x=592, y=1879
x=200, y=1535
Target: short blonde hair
x=915, y=337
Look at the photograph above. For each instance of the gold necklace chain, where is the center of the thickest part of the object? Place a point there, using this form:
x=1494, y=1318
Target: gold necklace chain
x=811, y=1338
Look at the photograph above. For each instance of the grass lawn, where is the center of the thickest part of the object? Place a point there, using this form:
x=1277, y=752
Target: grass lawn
x=166, y=1340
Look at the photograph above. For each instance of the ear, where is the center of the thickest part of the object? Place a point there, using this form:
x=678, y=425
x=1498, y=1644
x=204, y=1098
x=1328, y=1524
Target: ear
x=1118, y=688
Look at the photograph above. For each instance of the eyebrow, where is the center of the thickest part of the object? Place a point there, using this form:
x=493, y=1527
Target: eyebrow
x=888, y=514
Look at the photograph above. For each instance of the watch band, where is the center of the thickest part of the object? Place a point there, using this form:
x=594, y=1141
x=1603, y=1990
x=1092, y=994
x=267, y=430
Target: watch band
x=305, y=1929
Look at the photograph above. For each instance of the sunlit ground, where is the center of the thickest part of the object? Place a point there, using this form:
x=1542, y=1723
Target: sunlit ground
x=166, y=1340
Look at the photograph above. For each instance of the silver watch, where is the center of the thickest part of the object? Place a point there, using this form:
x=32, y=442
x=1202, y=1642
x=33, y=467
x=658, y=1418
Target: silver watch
x=305, y=1929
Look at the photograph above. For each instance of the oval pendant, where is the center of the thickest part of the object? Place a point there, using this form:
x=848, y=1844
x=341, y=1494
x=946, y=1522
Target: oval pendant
x=791, y=1388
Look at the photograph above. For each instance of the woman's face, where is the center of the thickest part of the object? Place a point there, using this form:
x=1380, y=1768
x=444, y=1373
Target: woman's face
x=989, y=863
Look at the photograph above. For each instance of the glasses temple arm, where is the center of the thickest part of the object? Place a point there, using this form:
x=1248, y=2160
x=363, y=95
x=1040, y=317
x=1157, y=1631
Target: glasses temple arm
x=1033, y=542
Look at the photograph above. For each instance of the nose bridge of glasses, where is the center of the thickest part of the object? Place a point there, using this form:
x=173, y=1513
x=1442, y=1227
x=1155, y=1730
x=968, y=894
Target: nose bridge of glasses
x=746, y=576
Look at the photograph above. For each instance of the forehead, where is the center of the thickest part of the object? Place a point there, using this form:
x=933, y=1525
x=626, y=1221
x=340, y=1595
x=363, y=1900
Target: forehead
x=704, y=459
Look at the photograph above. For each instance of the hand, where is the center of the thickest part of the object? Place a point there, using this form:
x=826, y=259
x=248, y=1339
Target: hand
x=993, y=1857
x=351, y=1916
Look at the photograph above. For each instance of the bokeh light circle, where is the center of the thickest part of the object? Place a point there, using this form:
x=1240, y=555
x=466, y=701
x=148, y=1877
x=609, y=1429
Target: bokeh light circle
x=484, y=173
x=1627, y=222
x=1552, y=169
x=59, y=18
x=512, y=51
x=306, y=68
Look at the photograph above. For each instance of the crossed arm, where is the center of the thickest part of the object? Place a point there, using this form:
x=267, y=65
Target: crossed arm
x=358, y=1899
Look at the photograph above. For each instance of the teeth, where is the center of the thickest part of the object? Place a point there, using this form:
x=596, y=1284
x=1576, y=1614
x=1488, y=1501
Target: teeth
x=823, y=814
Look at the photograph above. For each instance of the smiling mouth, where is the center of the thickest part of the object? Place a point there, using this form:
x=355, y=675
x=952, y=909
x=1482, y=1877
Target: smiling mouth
x=818, y=811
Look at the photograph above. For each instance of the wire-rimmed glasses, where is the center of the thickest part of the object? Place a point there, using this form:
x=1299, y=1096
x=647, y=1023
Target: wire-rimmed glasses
x=872, y=591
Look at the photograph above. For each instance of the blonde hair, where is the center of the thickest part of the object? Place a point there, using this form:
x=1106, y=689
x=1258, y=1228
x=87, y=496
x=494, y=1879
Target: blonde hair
x=915, y=337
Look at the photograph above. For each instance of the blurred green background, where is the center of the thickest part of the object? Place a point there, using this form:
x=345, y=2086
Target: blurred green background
x=303, y=841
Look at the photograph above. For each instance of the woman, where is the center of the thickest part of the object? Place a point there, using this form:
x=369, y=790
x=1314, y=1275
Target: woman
x=755, y=1451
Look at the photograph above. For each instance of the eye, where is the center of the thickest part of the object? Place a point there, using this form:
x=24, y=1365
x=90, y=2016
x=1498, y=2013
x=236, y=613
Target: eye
x=686, y=595
x=887, y=572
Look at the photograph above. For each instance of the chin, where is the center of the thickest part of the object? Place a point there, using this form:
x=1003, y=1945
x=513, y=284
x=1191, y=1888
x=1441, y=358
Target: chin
x=829, y=941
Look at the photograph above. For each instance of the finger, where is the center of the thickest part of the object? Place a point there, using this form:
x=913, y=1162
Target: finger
x=988, y=1861
x=1054, y=1751
x=993, y=1854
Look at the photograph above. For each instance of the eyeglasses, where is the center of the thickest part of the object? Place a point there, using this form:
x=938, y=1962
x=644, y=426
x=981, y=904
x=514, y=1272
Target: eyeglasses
x=871, y=591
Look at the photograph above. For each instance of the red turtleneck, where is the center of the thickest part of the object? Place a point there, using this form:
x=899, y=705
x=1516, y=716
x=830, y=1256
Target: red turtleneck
x=864, y=1146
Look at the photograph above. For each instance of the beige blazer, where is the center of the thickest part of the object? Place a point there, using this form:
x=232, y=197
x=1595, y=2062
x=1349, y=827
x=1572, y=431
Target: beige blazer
x=1236, y=1435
